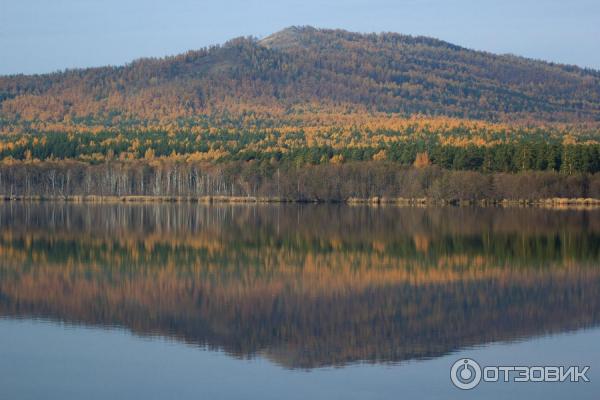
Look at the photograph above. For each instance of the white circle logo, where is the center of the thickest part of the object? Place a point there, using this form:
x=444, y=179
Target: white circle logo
x=465, y=374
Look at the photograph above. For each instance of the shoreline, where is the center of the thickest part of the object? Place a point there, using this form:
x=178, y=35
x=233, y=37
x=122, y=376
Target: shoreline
x=373, y=201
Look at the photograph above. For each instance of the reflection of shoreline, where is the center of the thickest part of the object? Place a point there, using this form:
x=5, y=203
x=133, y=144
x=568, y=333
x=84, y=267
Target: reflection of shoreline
x=298, y=226
x=304, y=286
x=297, y=327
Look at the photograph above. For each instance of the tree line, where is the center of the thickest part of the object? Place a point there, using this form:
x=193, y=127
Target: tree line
x=321, y=182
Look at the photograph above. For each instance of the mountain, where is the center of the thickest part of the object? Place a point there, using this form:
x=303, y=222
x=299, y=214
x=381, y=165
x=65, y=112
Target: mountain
x=328, y=69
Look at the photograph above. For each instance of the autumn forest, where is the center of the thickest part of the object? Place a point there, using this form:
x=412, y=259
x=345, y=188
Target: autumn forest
x=307, y=114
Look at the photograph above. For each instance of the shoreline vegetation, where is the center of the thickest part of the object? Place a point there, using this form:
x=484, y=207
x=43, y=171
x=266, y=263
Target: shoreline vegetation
x=373, y=201
x=374, y=182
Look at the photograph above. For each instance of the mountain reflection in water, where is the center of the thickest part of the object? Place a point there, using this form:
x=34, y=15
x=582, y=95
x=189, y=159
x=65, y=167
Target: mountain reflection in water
x=305, y=286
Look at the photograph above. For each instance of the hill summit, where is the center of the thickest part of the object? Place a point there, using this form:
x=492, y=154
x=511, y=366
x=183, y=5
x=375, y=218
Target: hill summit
x=385, y=72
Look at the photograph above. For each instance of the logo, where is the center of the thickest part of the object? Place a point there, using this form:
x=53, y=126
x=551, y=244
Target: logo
x=465, y=374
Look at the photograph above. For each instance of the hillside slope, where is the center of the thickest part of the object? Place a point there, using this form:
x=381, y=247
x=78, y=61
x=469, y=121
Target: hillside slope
x=299, y=66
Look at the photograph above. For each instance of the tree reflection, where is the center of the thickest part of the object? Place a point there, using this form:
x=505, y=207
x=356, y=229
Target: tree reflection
x=305, y=286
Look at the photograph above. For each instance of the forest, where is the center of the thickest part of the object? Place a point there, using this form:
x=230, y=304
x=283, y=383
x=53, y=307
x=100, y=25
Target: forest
x=254, y=181
x=306, y=114
x=300, y=68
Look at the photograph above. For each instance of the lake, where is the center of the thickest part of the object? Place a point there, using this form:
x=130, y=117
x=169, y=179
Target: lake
x=293, y=301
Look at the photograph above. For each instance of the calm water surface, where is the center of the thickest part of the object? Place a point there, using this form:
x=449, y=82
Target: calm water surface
x=288, y=301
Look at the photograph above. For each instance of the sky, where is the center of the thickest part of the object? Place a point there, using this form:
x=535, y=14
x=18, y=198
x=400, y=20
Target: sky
x=38, y=36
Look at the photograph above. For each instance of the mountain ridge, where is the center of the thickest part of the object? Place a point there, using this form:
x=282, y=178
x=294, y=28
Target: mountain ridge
x=385, y=72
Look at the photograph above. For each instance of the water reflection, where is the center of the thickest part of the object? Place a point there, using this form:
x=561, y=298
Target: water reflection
x=304, y=286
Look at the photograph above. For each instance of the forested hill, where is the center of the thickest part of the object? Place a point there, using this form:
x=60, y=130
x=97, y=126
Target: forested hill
x=304, y=66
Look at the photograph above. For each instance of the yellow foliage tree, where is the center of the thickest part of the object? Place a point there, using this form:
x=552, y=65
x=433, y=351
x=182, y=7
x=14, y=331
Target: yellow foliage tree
x=422, y=160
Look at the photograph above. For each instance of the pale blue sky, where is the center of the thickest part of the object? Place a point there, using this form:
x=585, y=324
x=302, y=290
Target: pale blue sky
x=48, y=35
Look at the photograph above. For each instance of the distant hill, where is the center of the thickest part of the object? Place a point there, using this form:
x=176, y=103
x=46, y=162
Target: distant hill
x=300, y=66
